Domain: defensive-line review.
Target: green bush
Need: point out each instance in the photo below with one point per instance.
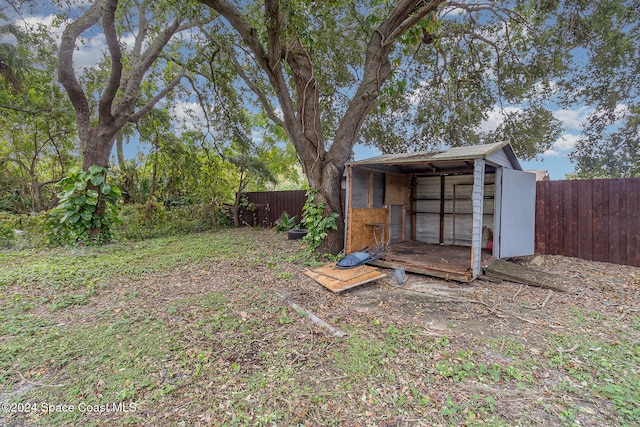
(144, 221)
(315, 222)
(7, 234)
(87, 207)
(285, 222)
(22, 230)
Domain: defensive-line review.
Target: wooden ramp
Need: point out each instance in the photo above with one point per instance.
(338, 280)
(501, 269)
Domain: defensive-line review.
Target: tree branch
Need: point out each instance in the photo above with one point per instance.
(113, 83)
(66, 73)
(153, 101)
(262, 97)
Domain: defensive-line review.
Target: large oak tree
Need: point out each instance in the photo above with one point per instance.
(323, 70)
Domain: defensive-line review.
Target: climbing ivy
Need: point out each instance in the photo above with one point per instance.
(315, 222)
(87, 207)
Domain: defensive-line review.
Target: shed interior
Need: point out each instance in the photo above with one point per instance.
(428, 207)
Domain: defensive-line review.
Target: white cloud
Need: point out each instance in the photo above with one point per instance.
(573, 119)
(562, 146)
(566, 142)
(552, 153)
(495, 117)
(189, 114)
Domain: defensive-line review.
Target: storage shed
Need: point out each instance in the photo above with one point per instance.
(441, 213)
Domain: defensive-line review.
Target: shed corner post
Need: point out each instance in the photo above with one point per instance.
(347, 205)
(478, 203)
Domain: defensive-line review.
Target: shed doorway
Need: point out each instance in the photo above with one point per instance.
(442, 211)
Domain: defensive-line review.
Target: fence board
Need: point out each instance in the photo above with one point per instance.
(600, 222)
(542, 224)
(590, 219)
(555, 221)
(614, 220)
(624, 189)
(585, 219)
(633, 223)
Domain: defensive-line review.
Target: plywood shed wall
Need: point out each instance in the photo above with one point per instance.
(449, 197)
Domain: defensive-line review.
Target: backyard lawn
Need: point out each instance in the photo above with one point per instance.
(199, 330)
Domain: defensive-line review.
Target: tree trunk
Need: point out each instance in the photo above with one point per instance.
(237, 201)
(326, 177)
(98, 149)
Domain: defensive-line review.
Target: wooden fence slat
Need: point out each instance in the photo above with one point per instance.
(542, 215)
(555, 222)
(614, 221)
(570, 214)
(633, 223)
(585, 215)
(624, 191)
(600, 222)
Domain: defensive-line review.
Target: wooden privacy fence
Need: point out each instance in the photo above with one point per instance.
(266, 207)
(596, 219)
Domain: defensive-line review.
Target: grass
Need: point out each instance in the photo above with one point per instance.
(191, 331)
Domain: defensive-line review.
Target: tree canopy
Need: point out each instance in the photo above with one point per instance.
(399, 75)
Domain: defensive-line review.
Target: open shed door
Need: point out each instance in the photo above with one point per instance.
(517, 207)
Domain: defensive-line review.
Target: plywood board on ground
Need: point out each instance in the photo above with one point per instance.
(500, 269)
(338, 280)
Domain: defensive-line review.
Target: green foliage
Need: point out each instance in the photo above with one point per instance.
(87, 207)
(6, 231)
(315, 221)
(285, 222)
(144, 221)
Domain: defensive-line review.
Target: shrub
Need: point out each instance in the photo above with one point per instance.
(315, 222)
(285, 222)
(87, 207)
(144, 221)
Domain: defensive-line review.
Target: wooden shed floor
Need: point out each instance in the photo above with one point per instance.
(447, 262)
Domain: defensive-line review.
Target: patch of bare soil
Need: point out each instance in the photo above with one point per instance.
(493, 323)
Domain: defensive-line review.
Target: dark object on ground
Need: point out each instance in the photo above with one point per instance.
(354, 259)
(400, 275)
(364, 256)
(296, 233)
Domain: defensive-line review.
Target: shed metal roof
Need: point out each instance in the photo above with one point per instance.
(452, 154)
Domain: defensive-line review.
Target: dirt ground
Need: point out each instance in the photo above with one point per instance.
(486, 321)
(487, 307)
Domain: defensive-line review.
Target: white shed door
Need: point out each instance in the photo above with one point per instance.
(518, 213)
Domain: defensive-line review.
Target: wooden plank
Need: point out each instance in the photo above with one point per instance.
(555, 231)
(414, 206)
(633, 222)
(370, 191)
(459, 276)
(359, 234)
(542, 223)
(501, 269)
(600, 222)
(585, 216)
(623, 220)
(570, 215)
(369, 274)
(442, 188)
(396, 190)
(614, 221)
(343, 274)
